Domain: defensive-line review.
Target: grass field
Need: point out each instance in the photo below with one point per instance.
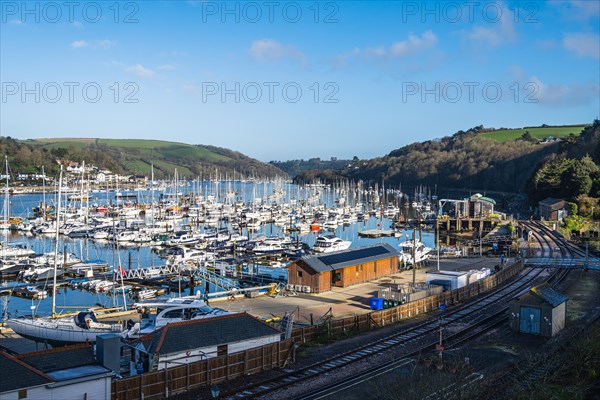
(539, 133)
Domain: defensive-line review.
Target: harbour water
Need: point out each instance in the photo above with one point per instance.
(132, 257)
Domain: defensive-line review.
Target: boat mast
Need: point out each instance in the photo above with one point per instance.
(56, 244)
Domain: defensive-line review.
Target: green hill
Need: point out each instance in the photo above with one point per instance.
(135, 156)
(503, 135)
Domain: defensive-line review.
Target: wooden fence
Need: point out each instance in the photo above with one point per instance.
(161, 384)
(376, 319)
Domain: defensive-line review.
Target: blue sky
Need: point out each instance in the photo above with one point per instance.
(284, 80)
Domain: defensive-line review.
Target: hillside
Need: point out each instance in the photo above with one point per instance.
(134, 156)
(503, 135)
(468, 159)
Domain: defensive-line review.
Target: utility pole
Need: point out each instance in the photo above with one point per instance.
(414, 257)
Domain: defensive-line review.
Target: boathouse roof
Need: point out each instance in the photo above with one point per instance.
(208, 332)
(346, 258)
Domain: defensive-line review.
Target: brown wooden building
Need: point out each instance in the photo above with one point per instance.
(552, 209)
(320, 273)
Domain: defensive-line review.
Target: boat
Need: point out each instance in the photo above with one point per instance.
(158, 313)
(80, 328)
(421, 252)
(55, 329)
(330, 243)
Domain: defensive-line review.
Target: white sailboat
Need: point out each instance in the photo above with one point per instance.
(55, 329)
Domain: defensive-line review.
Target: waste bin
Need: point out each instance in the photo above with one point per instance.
(376, 303)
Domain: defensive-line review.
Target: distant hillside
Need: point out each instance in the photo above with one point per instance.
(467, 159)
(134, 156)
(296, 167)
(502, 135)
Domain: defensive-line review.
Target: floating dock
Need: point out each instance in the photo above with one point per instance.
(376, 233)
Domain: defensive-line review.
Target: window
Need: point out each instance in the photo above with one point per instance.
(22, 394)
(299, 274)
(222, 350)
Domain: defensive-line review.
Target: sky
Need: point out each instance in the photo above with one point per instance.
(280, 80)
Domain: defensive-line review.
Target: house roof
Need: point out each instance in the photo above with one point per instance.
(551, 201)
(346, 258)
(194, 334)
(548, 294)
(60, 358)
(18, 375)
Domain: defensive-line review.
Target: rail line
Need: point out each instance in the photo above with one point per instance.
(409, 341)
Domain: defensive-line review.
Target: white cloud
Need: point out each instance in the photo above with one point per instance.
(140, 70)
(583, 44)
(76, 24)
(272, 50)
(167, 67)
(563, 94)
(79, 44)
(581, 10)
(414, 44)
(105, 44)
(494, 32)
(16, 22)
(411, 46)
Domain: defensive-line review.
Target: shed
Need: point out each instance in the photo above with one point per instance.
(481, 206)
(320, 273)
(540, 311)
(205, 338)
(450, 279)
(70, 372)
(552, 209)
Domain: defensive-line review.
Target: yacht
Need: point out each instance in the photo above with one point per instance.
(330, 243)
(158, 313)
(421, 252)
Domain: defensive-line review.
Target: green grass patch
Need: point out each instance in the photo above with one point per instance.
(538, 133)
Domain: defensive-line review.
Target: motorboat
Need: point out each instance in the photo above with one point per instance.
(158, 313)
(418, 248)
(330, 243)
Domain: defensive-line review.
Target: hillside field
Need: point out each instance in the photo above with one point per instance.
(538, 133)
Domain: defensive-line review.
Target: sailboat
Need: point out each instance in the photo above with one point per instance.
(55, 329)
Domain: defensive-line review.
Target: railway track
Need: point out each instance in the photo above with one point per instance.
(406, 343)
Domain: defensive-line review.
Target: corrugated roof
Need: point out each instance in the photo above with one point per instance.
(194, 334)
(550, 295)
(346, 258)
(550, 201)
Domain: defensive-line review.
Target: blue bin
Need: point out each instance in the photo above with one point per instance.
(376, 303)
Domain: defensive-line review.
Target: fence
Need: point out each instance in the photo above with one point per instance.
(375, 319)
(163, 383)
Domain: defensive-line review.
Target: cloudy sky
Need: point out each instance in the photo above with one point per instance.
(283, 80)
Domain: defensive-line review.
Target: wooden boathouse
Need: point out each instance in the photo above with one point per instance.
(320, 273)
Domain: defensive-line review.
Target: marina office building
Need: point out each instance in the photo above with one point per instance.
(321, 273)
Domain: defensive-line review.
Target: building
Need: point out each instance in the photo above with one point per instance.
(189, 341)
(480, 206)
(541, 311)
(62, 373)
(320, 273)
(451, 280)
(552, 209)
